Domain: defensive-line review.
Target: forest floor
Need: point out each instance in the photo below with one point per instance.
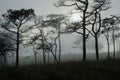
(89, 70)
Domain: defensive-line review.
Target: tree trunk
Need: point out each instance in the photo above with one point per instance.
(84, 46)
(84, 31)
(55, 58)
(17, 49)
(5, 62)
(55, 52)
(108, 44)
(96, 48)
(119, 44)
(44, 54)
(35, 59)
(35, 54)
(113, 42)
(59, 46)
(44, 57)
(48, 57)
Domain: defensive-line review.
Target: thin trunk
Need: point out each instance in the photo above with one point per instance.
(17, 49)
(84, 31)
(113, 42)
(13, 59)
(44, 57)
(96, 48)
(59, 46)
(84, 45)
(55, 58)
(59, 50)
(55, 52)
(55, 44)
(48, 57)
(108, 44)
(119, 44)
(5, 59)
(35, 59)
(35, 55)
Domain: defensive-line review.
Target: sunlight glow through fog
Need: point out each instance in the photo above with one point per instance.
(75, 17)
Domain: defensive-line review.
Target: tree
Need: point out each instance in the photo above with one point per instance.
(42, 40)
(55, 21)
(96, 22)
(105, 31)
(14, 22)
(35, 53)
(86, 10)
(110, 25)
(95, 33)
(117, 36)
(114, 21)
(79, 4)
(6, 46)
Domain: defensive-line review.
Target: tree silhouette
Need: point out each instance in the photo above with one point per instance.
(14, 22)
(55, 21)
(105, 31)
(79, 4)
(42, 40)
(110, 25)
(6, 46)
(96, 22)
(87, 11)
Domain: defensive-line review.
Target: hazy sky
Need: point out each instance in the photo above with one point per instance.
(41, 7)
(44, 7)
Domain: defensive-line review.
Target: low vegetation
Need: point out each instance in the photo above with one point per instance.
(89, 70)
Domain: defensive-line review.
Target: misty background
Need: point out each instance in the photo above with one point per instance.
(46, 7)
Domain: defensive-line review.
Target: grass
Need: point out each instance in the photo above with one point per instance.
(89, 70)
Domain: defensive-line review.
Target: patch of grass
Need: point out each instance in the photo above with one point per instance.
(89, 70)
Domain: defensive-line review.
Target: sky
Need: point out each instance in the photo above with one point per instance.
(41, 7)
(45, 7)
